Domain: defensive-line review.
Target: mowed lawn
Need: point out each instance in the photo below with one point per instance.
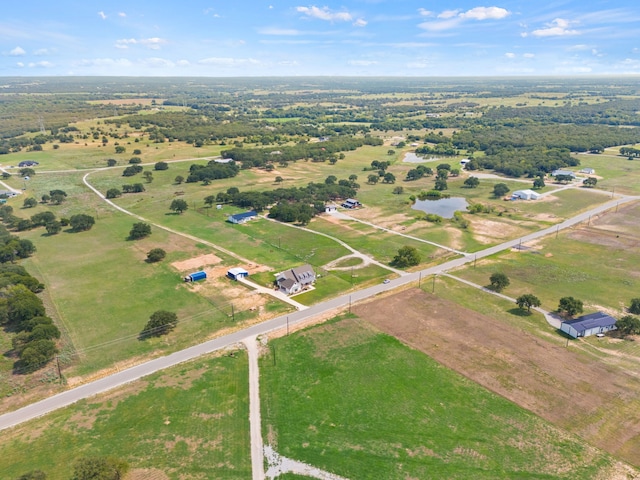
(190, 421)
(350, 400)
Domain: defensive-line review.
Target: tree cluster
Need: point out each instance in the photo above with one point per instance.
(407, 256)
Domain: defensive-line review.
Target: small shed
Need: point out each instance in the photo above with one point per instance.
(236, 273)
(525, 195)
(588, 171)
(195, 276)
(28, 163)
(591, 324)
(331, 207)
(240, 218)
(351, 203)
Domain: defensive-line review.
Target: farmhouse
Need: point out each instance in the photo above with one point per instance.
(240, 218)
(568, 173)
(351, 203)
(296, 279)
(236, 273)
(28, 163)
(591, 324)
(525, 195)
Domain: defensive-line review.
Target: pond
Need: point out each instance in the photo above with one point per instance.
(442, 206)
(411, 157)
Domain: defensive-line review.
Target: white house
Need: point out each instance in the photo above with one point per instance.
(296, 279)
(588, 171)
(591, 324)
(525, 195)
(240, 218)
(330, 208)
(236, 273)
(566, 173)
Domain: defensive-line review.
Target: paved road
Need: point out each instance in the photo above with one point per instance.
(121, 378)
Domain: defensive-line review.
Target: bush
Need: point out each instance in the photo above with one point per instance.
(135, 160)
(139, 230)
(635, 306)
(155, 255)
(113, 193)
(161, 166)
(81, 222)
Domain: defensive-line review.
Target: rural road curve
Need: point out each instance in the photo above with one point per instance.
(69, 397)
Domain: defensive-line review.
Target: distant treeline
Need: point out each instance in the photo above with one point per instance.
(317, 151)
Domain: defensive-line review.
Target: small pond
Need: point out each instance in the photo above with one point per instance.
(411, 157)
(442, 206)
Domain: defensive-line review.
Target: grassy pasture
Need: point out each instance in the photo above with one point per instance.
(389, 420)
(189, 421)
(614, 171)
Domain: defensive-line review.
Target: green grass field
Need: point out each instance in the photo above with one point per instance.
(403, 416)
(190, 421)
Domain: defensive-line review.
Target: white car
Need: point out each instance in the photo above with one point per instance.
(386, 280)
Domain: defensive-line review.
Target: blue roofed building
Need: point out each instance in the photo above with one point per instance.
(591, 324)
(240, 218)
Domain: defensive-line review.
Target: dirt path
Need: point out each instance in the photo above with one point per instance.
(255, 422)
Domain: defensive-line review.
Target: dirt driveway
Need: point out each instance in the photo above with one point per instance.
(585, 396)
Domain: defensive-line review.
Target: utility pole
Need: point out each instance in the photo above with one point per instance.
(433, 287)
(59, 371)
(557, 230)
(233, 315)
(287, 325)
(349, 303)
(419, 279)
(475, 258)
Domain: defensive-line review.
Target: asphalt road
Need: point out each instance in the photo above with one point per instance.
(134, 373)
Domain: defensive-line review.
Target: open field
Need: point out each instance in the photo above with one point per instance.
(563, 385)
(404, 415)
(187, 422)
(597, 263)
(614, 171)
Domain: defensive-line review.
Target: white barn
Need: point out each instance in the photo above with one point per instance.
(591, 324)
(525, 195)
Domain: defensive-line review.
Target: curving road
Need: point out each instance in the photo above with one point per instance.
(134, 373)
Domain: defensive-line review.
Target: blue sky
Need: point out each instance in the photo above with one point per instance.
(352, 37)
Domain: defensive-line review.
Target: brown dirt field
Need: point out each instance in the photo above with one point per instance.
(146, 474)
(196, 262)
(585, 396)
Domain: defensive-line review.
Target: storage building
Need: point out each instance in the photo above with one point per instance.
(591, 324)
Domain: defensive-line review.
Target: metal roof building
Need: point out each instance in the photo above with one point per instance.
(591, 324)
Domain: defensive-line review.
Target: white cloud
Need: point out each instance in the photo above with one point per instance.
(510, 55)
(289, 63)
(529, 55)
(17, 52)
(104, 62)
(424, 12)
(449, 14)
(418, 65)
(486, 13)
(228, 62)
(102, 15)
(122, 14)
(183, 63)
(449, 19)
(362, 63)
(360, 23)
(20, 64)
(42, 51)
(596, 53)
(270, 7)
(325, 14)
(155, 62)
(557, 28)
(153, 43)
(279, 31)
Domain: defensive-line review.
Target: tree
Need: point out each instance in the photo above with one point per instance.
(113, 193)
(498, 281)
(406, 257)
(590, 182)
(99, 468)
(42, 218)
(628, 325)
(120, 149)
(45, 198)
(37, 353)
(53, 228)
(570, 306)
(111, 162)
(398, 190)
(139, 230)
(160, 323)
(331, 180)
(389, 178)
(29, 202)
(279, 179)
(528, 300)
(472, 182)
(538, 183)
(148, 176)
(179, 179)
(27, 172)
(81, 222)
(373, 179)
(209, 200)
(57, 198)
(178, 205)
(500, 189)
(441, 184)
(634, 307)
(161, 166)
(391, 152)
(33, 475)
(155, 255)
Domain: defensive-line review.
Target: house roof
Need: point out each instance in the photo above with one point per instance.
(563, 172)
(526, 192)
(304, 273)
(238, 271)
(240, 216)
(593, 320)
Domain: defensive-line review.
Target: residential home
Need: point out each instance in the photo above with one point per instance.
(296, 279)
(240, 218)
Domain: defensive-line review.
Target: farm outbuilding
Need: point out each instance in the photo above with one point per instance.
(240, 218)
(195, 276)
(587, 325)
(588, 171)
(351, 203)
(525, 195)
(236, 273)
